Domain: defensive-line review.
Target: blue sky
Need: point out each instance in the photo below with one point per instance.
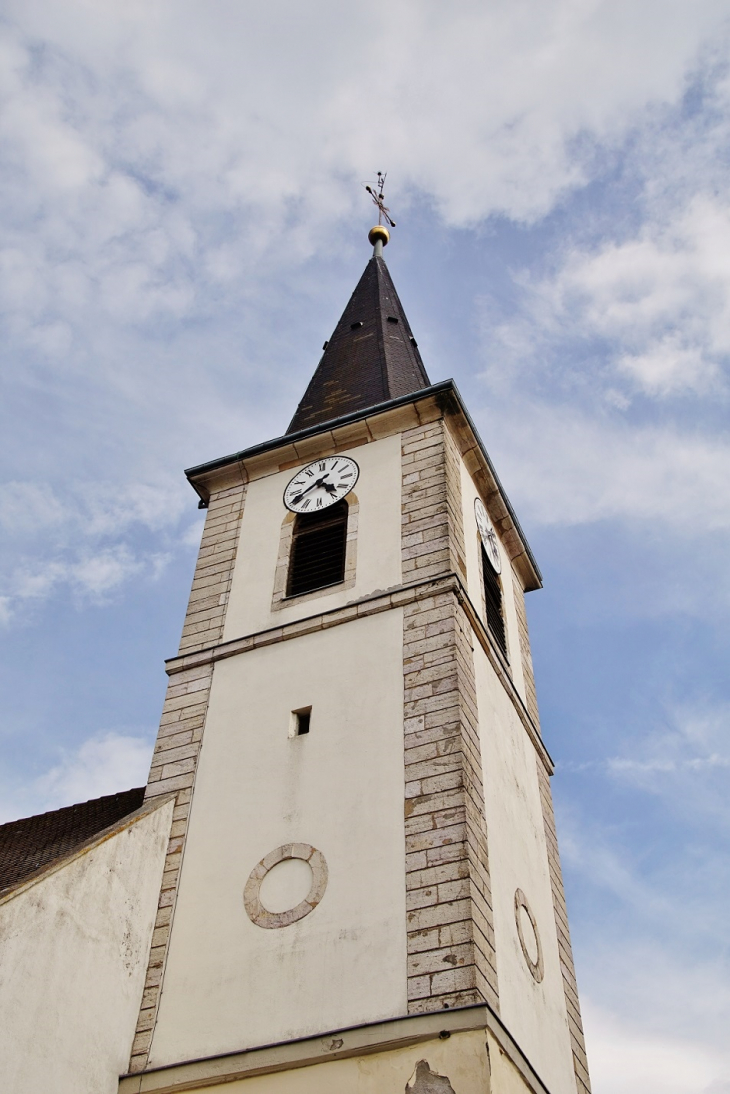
(183, 222)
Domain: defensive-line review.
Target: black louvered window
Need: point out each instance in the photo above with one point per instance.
(493, 603)
(318, 550)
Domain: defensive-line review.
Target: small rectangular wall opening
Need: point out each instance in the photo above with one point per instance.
(300, 721)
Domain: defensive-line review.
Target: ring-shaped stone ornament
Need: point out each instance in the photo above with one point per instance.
(537, 968)
(255, 910)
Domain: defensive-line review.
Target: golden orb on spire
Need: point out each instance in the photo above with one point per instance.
(379, 233)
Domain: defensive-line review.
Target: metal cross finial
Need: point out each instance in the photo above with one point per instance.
(376, 193)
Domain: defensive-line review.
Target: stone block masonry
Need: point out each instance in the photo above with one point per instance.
(181, 729)
(450, 931)
(214, 571)
(570, 986)
(525, 654)
(451, 952)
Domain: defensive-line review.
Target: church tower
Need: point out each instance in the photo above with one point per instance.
(362, 889)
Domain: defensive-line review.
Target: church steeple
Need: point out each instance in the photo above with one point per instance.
(362, 887)
(372, 355)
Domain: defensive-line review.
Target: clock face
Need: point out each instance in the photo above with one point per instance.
(488, 534)
(320, 484)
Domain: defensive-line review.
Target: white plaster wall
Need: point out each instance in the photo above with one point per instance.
(229, 984)
(504, 1076)
(378, 490)
(74, 957)
(535, 1014)
(473, 563)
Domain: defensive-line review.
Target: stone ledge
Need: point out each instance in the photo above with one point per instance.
(357, 609)
(397, 597)
(337, 1044)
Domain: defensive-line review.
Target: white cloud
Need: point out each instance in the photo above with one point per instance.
(616, 320)
(137, 139)
(657, 305)
(653, 980)
(92, 578)
(661, 299)
(94, 508)
(162, 164)
(191, 535)
(84, 538)
(109, 509)
(627, 1059)
(30, 507)
(613, 368)
(668, 367)
(566, 466)
(104, 764)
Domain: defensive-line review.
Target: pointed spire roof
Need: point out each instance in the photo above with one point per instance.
(371, 357)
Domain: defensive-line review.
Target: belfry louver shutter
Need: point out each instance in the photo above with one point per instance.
(493, 603)
(318, 550)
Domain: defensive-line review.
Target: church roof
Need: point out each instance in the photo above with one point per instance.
(28, 845)
(372, 356)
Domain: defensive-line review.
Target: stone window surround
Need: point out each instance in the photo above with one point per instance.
(506, 659)
(279, 599)
(256, 911)
(536, 965)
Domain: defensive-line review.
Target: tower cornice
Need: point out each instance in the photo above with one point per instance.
(373, 423)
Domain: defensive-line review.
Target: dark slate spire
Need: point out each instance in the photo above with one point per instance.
(371, 357)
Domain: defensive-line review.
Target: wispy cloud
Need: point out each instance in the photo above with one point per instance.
(568, 466)
(681, 757)
(93, 575)
(638, 769)
(91, 579)
(652, 958)
(684, 761)
(658, 301)
(93, 508)
(104, 764)
(85, 540)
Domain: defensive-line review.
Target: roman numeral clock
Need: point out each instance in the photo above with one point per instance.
(321, 484)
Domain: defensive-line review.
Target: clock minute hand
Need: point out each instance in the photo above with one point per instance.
(312, 486)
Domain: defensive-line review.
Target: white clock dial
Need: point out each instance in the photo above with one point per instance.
(488, 534)
(320, 484)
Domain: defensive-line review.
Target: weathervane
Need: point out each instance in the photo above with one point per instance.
(379, 235)
(376, 193)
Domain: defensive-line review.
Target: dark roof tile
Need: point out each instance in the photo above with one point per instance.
(30, 844)
(370, 358)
